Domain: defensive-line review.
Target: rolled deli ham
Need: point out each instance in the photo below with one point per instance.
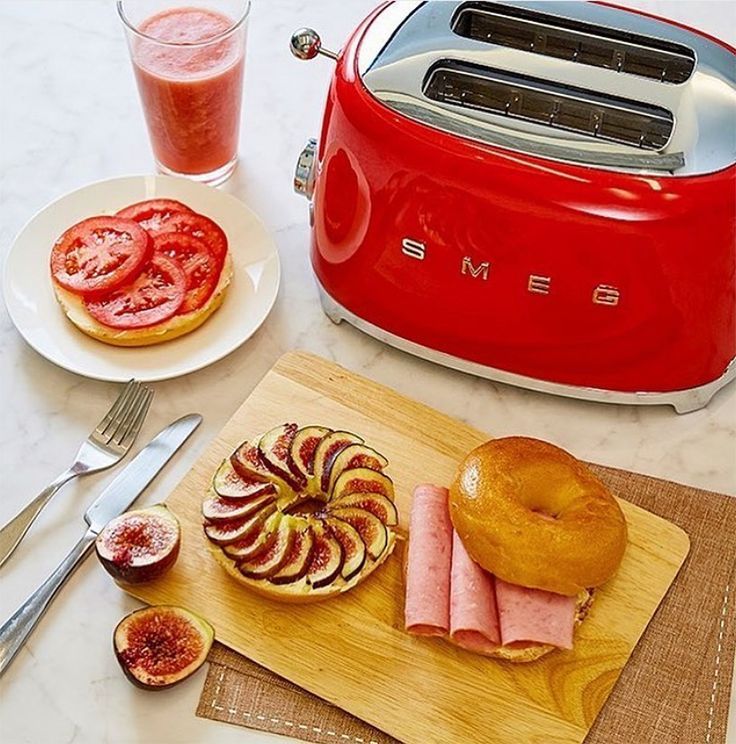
(534, 615)
(473, 614)
(428, 564)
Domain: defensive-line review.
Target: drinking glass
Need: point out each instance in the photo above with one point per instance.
(189, 61)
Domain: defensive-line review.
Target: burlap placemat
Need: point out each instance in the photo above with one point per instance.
(674, 690)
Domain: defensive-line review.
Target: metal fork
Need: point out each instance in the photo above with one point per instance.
(108, 443)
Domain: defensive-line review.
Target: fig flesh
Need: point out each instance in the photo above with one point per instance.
(353, 547)
(159, 646)
(229, 484)
(375, 503)
(370, 528)
(325, 562)
(362, 480)
(303, 447)
(327, 451)
(296, 563)
(228, 532)
(355, 456)
(217, 509)
(258, 539)
(140, 545)
(274, 448)
(268, 562)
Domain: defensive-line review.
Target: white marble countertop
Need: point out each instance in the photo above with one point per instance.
(70, 115)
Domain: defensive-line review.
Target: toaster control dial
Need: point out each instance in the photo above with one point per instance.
(305, 170)
(306, 44)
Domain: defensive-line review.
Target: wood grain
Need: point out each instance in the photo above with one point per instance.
(352, 650)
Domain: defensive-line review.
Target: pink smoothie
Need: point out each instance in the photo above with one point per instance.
(191, 94)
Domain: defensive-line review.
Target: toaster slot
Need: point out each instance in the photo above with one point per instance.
(575, 41)
(595, 115)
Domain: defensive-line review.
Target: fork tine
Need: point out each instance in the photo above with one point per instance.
(127, 437)
(119, 405)
(124, 414)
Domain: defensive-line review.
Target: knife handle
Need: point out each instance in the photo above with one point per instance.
(15, 632)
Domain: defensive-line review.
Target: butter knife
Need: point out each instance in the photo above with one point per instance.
(114, 500)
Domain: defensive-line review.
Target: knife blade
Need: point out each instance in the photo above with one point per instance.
(114, 500)
(144, 467)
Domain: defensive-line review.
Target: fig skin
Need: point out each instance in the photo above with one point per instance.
(195, 624)
(121, 567)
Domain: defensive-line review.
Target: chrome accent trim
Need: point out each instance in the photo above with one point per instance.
(683, 401)
(305, 173)
(306, 44)
(703, 108)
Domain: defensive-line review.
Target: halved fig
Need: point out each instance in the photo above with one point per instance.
(353, 547)
(275, 450)
(140, 545)
(296, 563)
(267, 563)
(362, 480)
(375, 503)
(370, 528)
(159, 646)
(355, 456)
(325, 562)
(216, 509)
(303, 447)
(229, 484)
(325, 454)
(257, 540)
(226, 533)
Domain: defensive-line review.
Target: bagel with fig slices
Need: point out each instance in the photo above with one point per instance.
(178, 325)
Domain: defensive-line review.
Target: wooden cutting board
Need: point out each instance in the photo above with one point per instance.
(352, 650)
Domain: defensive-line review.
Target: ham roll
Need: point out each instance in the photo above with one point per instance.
(534, 615)
(428, 564)
(473, 614)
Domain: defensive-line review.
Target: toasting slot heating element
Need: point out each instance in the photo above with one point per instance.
(573, 109)
(577, 41)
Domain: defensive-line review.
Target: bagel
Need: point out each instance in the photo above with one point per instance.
(73, 307)
(533, 515)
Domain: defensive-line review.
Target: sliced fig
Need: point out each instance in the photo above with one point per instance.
(362, 480)
(159, 646)
(325, 562)
(268, 562)
(275, 450)
(216, 509)
(140, 545)
(248, 463)
(353, 547)
(303, 447)
(226, 533)
(375, 503)
(355, 456)
(229, 484)
(257, 540)
(370, 528)
(325, 454)
(296, 563)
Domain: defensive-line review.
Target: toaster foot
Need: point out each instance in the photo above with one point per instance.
(683, 401)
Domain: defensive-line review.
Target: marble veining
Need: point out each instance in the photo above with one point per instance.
(69, 116)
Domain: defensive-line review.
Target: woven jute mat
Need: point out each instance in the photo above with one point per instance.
(674, 689)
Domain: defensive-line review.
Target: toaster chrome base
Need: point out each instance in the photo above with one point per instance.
(683, 401)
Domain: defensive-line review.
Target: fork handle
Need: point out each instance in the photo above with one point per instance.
(12, 533)
(15, 632)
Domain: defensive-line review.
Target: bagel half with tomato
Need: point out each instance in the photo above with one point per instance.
(153, 272)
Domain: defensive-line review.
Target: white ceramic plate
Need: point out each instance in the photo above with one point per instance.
(30, 300)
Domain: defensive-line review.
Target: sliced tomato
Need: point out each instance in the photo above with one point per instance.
(154, 296)
(152, 215)
(99, 254)
(199, 226)
(199, 264)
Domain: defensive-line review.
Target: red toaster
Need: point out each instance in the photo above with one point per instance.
(540, 193)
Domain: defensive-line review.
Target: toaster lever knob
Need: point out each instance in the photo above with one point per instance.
(306, 44)
(304, 175)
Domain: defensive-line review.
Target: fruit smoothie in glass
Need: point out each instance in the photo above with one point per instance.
(189, 63)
